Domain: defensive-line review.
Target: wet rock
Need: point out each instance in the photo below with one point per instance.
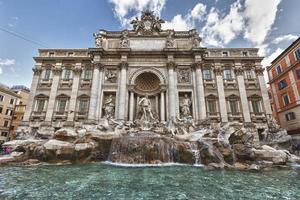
(242, 152)
(254, 167)
(45, 132)
(21, 143)
(241, 166)
(66, 134)
(268, 153)
(55, 149)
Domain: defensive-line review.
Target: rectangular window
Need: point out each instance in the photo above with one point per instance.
(234, 107)
(47, 74)
(298, 73)
(8, 112)
(256, 106)
(248, 74)
(282, 84)
(6, 123)
(297, 54)
(212, 106)
(4, 134)
(11, 101)
(278, 69)
(290, 116)
(67, 75)
(83, 106)
(88, 74)
(1, 109)
(245, 53)
(207, 74)
(286, 99)
(227, 74)
(40, 105)
(1, 97)
(61, 105)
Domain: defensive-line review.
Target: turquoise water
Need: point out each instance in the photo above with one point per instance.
(99, 181)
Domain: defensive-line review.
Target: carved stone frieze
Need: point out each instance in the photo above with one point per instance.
(184, 76)
(111, 75)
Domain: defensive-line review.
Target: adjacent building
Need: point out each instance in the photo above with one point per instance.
(20, 107)
(169, 68)
(8, 100)
(284, 76)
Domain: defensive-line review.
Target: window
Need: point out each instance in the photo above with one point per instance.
(256, 106)
(83, 105)
(5, 123)
(297, 54)
(211, 104)
(88, 74)
(286, 99)
(278, 69)
(290, 116)
(40, 105)
(8, 112)
(227, 74)
(67, 75)
(70, 54)
(282, 84)
(245, 53)
(1, 97)
(11, 101)
(234, 106)
(61, 105)
(51, 54)
(248, 73)
(1, 109)
(4, 134)
(225, 54)
(298, 73)
(207, 74)
(47, 74)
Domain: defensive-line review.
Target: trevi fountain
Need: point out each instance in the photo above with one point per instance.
(162, 145)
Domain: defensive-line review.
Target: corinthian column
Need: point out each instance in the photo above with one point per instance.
(94, 94)
(263, 88)
(242, 90)
(221, 93)
(200, 92)
(172, 90)
(75, 87)
(131, 106)
(162, 106)
(99, 92)
(35, 80)
(122, 90)
(55, 81)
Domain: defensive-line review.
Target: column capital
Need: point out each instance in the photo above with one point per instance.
(197, 65)
(37, 70)
(77, 70)
(57, 71)
(171, 65)
(239, 71)
(99, 66)
(123, 65)
(218, 71)
(259, 71)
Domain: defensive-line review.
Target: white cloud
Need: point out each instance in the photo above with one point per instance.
(123, 7)
(220, 29)
(283, 38)
(198, 12)
(178, 23)
(260, 16)
(6, 62)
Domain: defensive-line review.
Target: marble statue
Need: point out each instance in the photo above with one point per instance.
(185, 106)
(109, 107)
(170, 40)
(98, 40)
(145, 105)
(111, 76)
(124, 43)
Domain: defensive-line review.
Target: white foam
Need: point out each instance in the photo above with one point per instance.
(148, 165)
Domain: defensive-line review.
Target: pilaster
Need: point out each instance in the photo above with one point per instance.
(172, 91)
(122, 90)
(94, 93)
(221, 93)
(200, 91)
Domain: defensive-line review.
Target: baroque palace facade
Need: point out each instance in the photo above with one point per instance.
(149, 73)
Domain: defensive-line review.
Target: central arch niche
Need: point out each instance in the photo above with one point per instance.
(147, 82)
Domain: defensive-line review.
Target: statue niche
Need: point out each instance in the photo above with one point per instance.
(109, 105)
(185, 104)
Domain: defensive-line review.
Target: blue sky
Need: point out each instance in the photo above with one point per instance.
(270, 25)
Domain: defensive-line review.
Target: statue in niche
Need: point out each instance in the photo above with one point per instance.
(111, 76)
(170, 40)
(184, 76)
(145, 105)
(109, 107)
(185, 106)
(124, 43)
